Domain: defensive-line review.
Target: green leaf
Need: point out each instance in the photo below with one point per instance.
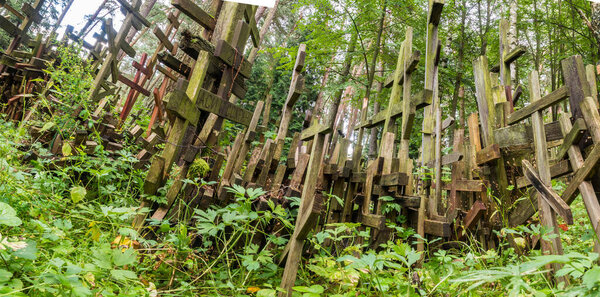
(591, 277)
(314, 289)
(77, 194)
(124, 258)
(8, 216)
(266, 293)
(5, 275)
(66, 149)
(29, 252)
(47, 127)
(123, 275)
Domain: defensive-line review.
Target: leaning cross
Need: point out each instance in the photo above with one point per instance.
(310, 207)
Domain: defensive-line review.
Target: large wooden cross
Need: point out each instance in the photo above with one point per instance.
(296, 89)
(549, 203)
(310, 207)
(432, 52)
(196, 98)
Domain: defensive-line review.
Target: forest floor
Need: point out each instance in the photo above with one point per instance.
(66, 231)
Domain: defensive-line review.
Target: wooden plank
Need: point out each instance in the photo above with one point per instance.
(135, 12)
(233, 58)
(517, 94)
(435, 12)
(589, 167)
(576, 83)
(167, 73)
(557, 170)
(475, 186)
(438, 228)
(177, 102)
(170, 61)
(249, 17)
(141, 68)
(447, 159)
(545, 102)
(412, 66)
(373, 221)
(394, 179)
(573, 137)
(196, 13)
(212, 103)
(9, 27)
(488, 154)
(133, 85)
(520, 135)
(313, 130)
(31, 12)
(514, 54)
(589, 108)
(173, 20)
(298, 174)
(473, 215)
(545, 206)
(163, 39)
(291, 157)
(586, 189)
(308, 214)
(547, 193)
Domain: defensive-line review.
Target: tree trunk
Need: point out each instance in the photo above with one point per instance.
(263, 31)
(371, 73)
(376, 108)
(92, 19)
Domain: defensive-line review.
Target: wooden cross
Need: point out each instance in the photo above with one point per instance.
(296, 89)
(310, 207)
(31, 14)
(136, 85)
(116, 43)
(428, 150)
(191, 109)
(549, 203)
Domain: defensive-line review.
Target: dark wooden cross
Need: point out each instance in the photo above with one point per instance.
(310, 206)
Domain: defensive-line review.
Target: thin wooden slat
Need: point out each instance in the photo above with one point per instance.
(133, 85)
(547, 193)
(163, 39)
(557, 170)
(233, 58)
(543, 103)
(571, 138)
(196, 13)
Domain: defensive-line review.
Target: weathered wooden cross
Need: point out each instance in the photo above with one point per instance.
(310, 207)
(117, 43)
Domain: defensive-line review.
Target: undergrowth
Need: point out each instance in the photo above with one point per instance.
(66, 231)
